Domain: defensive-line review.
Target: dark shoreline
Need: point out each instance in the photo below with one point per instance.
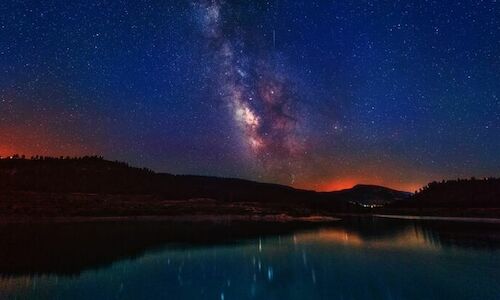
(440, 218)
(230, 219)
(193, 219)
(36, 207)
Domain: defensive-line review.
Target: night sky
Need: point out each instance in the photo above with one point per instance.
(315, 94)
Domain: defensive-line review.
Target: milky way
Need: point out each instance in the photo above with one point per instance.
(259, 98)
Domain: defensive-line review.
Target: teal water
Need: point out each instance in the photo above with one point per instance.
(374, 259)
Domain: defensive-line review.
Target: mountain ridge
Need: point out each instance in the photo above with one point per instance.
(93, 186)
(97, 175)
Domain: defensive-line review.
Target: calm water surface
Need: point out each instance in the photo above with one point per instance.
(361, 258)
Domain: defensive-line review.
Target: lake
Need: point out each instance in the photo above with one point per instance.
(356, 258)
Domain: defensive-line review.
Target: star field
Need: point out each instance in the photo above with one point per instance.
(314, 94)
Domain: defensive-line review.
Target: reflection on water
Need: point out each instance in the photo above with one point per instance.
(358, 258)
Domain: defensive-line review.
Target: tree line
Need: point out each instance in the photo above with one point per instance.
(458, 193)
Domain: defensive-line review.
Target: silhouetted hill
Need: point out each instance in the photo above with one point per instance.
(371, 195)
(94, 175)
(461, 193)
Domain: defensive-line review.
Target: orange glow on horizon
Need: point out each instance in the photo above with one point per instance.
(42, 142)
(338, 184)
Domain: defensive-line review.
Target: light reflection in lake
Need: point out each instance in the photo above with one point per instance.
(356, 259)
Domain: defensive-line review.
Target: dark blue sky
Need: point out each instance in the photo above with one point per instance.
(318, 94)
